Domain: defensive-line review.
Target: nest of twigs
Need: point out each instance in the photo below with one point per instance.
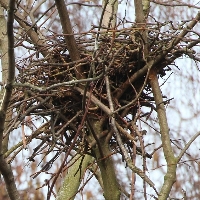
(49, 90)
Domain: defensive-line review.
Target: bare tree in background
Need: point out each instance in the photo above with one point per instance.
(87, 88)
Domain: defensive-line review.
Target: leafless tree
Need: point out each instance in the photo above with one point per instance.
(88, 89)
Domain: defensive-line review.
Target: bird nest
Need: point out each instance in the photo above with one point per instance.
(48, 87)
(117, 58)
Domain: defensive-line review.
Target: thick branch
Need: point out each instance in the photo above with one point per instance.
(29, 29)
(164, 129)
(4, 64)
(110, 14)
(68, 34)
(7, 173)
(4, 167)
(141, 23)
(170, 176)
(11, 74)
(139, 15)
(74, 177)
(106, 165)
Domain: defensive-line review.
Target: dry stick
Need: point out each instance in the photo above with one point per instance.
(83, 60)
(68, 83)
(119, 140)
(100, 23)
(133, 178)
(179, 3)
(28, 140)
(84, 4)
(140, 92)
(140, 136)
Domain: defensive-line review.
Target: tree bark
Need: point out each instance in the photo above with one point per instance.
(110, 183)
(69, 35)
(170, 176)
(9, 72)
(110, 8)
(74, 177)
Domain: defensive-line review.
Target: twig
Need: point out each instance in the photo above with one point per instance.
(95, 101)
(68, 83)
(140, 92)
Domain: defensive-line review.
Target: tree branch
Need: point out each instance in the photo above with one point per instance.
(68, 83)
(170, 176)
(76, 172)
(69, 36)
(29, 29)
(4, 167)
(110, 13)
(174, 42)
(187, 146)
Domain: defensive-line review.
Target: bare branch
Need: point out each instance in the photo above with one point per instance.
(179, 3)
(164, 129)
(110, 14)
(4, 166)
(68, 83)
(187, 146)
(69, 37)
(175, 41)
